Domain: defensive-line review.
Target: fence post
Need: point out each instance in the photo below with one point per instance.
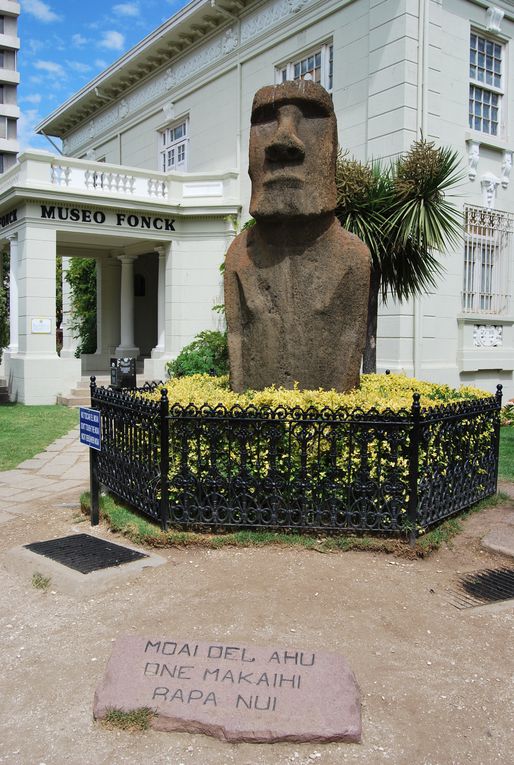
(94, 486)
(498, 396)
(165, 459)
(412, 507)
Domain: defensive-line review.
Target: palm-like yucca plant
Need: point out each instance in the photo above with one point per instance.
(401, 212)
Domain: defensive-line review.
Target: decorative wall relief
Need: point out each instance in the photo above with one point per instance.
(489, 183)
(487, 335)
(170, 78)
(506, 168)
(230, 40)
(494, 19)
(265, 17)
(169, 110)
(123, 109)
(297, 5)
(473, 158)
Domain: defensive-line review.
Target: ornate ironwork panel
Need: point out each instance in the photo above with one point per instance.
(458, 462)
(288, 469)
(129, 461)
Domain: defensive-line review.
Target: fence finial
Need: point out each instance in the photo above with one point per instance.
(499, 389)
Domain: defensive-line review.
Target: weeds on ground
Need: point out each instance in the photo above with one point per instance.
(40, 582)
(139, 530)
(133, 721)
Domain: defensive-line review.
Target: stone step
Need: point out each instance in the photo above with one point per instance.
(74, 399)
(4, 391)
(80, 394)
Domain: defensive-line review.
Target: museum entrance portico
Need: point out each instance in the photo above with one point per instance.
(157, 258)
(130, 285)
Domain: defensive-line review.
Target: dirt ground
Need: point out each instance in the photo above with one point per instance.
(436, 682)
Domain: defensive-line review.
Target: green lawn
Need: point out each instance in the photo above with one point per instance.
(27, 430)
(506, 467)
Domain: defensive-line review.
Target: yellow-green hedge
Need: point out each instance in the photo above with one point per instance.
(379, 391)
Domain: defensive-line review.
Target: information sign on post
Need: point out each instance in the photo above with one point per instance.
(90, 435)
(90, 428)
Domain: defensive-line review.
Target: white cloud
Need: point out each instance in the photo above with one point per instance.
(50, 67)
(78, 66)
(112, 40)
(40, 10)
(126, 9)
(79, 40)
(100, 63)
(26, 123)
(32, 98)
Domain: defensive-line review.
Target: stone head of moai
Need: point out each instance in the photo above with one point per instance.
(293, 149)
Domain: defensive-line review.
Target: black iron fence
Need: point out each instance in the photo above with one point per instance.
(354, 471)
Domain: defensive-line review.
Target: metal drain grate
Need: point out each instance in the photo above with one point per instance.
(481, 587)
(85, 553)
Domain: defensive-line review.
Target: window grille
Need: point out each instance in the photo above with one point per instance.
(487, 252)
(317, 66)
(486, 84)
(173, 150)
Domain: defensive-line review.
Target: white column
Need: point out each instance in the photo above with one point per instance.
(126, 346)
(69, 343)
(161, 302)
(13, 295)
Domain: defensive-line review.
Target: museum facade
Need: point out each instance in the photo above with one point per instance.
(153, 180)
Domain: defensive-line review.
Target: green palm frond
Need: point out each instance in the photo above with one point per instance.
(404, 214)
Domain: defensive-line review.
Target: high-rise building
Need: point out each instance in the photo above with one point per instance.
(9, 80)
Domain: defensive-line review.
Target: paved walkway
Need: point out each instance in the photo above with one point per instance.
(62, 468)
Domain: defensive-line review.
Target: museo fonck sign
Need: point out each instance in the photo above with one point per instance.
(99, 217)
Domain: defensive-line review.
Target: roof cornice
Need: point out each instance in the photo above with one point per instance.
(196, 21)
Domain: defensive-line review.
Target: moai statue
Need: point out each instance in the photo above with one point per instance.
(296, 283)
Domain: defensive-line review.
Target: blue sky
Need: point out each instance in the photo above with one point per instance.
(66, 43)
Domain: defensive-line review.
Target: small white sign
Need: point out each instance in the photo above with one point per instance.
(41, 326)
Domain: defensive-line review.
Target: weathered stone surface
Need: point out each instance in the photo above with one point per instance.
(233, 692)
(296, 284)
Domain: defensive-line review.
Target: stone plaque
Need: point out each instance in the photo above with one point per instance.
(232, 691)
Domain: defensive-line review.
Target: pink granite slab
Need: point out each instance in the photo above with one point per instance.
(234, 692)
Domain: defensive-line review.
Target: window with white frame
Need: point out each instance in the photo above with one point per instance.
(318, 66)
(173, 146)
(487, 245)
(486, 83)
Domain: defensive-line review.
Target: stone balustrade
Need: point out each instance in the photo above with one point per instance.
(43, 170)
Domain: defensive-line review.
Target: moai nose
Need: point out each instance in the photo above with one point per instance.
(285, 147)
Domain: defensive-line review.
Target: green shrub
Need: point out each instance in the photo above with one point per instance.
(207, 354)
(507, 413)
(81, 277)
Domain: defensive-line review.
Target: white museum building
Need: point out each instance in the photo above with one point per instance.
(153, 181)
